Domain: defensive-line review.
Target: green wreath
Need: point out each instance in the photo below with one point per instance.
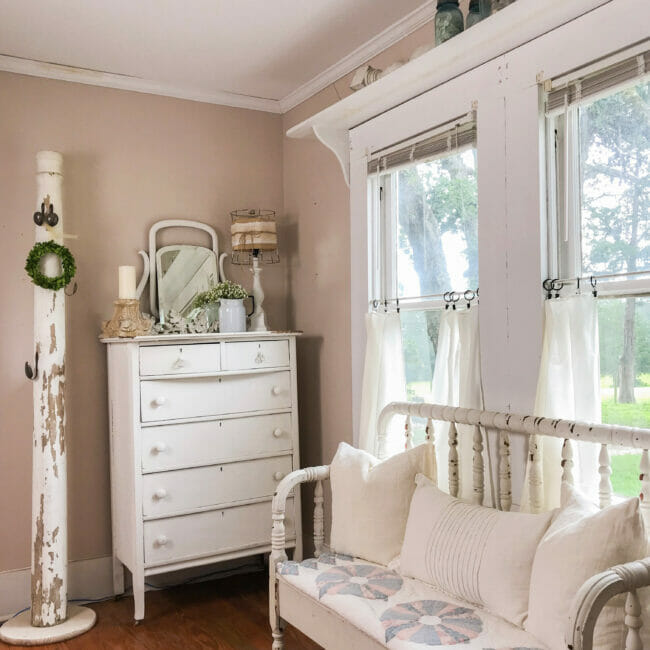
(32, 265)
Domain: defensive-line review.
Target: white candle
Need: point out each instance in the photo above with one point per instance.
(127, 282)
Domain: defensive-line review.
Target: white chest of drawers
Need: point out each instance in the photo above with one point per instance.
(202, 429)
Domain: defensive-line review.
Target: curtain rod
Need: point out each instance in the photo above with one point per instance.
(557, 284)
(450, 297)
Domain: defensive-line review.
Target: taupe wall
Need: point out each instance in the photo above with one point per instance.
(129, 160)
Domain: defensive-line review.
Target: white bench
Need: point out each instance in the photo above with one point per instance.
(334, 630)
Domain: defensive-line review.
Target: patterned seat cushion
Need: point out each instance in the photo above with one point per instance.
(401, 613)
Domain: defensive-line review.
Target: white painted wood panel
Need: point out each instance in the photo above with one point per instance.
(217, 531)
(255, 354)
(173, 446)
(170, 399)
(181, 490)
(180, 359)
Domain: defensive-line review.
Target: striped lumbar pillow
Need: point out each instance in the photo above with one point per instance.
(480, 555)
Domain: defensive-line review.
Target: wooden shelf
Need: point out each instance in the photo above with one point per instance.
(515, 25)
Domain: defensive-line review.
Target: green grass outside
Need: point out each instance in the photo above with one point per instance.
(625, 467)
(631, 415)
(625, 474)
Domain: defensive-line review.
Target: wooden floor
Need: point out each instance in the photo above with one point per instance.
(227, 614)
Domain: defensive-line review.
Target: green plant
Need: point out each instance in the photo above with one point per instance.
(32, 265)
(226, 290)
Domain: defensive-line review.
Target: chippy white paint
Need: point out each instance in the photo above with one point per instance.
(299, 610)
(49, 581)
(49, 504)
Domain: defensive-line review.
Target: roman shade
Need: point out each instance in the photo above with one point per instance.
(454, 136)
(590, 86)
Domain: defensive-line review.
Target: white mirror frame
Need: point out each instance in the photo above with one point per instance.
(177, 223)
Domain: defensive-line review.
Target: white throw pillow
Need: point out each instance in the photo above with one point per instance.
(581, 542)
(370, 500)
(480, 555)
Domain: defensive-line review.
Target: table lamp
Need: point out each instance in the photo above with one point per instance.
(255, 240)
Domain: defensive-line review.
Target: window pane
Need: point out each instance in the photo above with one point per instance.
(419, 339)
(437, 226)
(624, 326)
(615, 184)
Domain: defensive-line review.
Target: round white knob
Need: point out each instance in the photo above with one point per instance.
(160, 401)
(180, 362)
(162, 540)
(160, 493)
(159, 447)
(277, 433)
(276, 390)
(278, 476)
(259, 358)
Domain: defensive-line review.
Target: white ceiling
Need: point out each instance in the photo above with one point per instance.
(266, 49)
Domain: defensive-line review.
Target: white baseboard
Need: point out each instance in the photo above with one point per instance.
(87, 579)
(93, 580)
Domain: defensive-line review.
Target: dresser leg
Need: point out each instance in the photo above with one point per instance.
(118, 577)
(138, 598)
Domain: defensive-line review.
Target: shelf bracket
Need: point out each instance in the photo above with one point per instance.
(337, 141)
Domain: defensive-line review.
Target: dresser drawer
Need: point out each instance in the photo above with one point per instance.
(180, 359)
(208, 533)
(173, 399)
(173, 446)
(255, 354)
(200, 487)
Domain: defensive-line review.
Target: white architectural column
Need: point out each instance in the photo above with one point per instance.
(49, 619)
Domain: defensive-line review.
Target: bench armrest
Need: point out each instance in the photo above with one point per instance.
(288, 483)
(597, 591)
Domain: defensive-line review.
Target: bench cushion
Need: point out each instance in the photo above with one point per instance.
(399, 613)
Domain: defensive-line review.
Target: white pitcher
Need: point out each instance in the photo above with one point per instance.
(232, 315)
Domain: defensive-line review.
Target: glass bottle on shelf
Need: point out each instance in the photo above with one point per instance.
(497, 5)
(485, 8)
(478, 10)
(449, 20)
(473, 15)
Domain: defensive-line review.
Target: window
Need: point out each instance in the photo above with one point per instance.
(425, 239)
(599, 128)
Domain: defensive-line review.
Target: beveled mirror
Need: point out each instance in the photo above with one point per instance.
(177, 273)
(183, 272)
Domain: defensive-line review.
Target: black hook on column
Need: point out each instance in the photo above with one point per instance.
(48, 216)
(32, 373)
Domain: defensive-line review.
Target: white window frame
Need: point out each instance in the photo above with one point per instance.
(565, 194)
(382, 228)
(507, 92)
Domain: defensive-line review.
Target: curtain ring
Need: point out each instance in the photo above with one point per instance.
(447, 299)
(557, 286)
(547, 285)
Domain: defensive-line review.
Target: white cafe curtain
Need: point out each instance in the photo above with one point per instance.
(457, 382)
(568, 388)
(384, 380)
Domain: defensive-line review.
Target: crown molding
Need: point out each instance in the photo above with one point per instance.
(135, 84)
(376, 45)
